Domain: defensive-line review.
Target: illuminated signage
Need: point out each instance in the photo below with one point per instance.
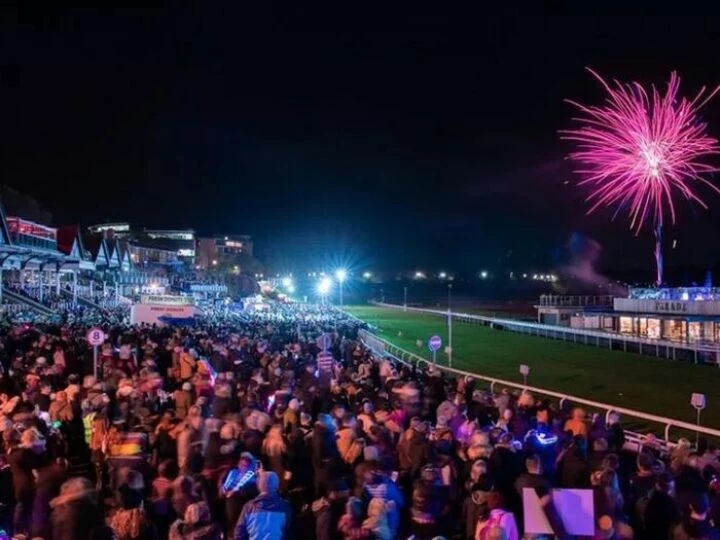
(167, 300)
(186, 252)
(233, 243)
(671, 307)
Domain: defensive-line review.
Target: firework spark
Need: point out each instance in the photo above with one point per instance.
(642, 148)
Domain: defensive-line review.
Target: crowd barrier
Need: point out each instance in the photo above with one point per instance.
(383, 347)
(694, 352)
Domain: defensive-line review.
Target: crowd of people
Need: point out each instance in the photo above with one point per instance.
(279, 423)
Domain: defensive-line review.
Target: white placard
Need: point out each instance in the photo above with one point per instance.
(574, 506)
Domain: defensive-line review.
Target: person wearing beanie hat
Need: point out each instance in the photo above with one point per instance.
(267, 515)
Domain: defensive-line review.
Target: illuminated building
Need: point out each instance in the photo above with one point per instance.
(680, 315)
(228, 250)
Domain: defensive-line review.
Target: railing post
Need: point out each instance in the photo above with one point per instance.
(667, 433)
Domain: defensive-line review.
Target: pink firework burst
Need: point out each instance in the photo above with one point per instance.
(641, 148)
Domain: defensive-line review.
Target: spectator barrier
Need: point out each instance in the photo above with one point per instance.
(383, 347)
(695, 352)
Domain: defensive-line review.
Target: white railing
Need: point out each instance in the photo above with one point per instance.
(382, 346)
(576, 335)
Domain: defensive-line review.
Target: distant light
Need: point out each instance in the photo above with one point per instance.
(442, 275)
(484, 274)
(367, 275)
(341, 274)
(321, 274)
(324, 286)
(287, 282)
(524, 275)
(290, 288)
(226, 238)
(214, 262)
(419, 275)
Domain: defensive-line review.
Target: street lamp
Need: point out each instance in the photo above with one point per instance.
(341, 276)
(323, 287)
(442, 275)
(287, 282)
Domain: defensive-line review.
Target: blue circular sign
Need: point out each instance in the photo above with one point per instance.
(434, 343)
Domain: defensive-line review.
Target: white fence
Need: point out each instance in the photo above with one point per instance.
(694, 352)
(383, 347)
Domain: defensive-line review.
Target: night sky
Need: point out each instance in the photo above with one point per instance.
(388, 140)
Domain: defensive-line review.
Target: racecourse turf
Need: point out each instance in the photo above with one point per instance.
(644, 383)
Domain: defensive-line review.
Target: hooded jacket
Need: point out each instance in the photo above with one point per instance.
(266, 516)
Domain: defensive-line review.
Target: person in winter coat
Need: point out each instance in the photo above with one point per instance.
(186, 365)
(275, 452)
(414, 448)
(499, 523)
(189, 437)
(475, 509)
(267, 515)
(196, 525)
(76, 514)
(21, 462)
(130, 521)
(183, 400)
(238, 487)
(661, 511)
(695, 524)
(378, 486)
(427, 504)
(61, 408)
(325, 455)
(576, 424)
(291, 416)
(328, 511)
(349, 444)
(505, 467)
(377, 519)
(573, 468)
(161, 497)
(350, 525)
